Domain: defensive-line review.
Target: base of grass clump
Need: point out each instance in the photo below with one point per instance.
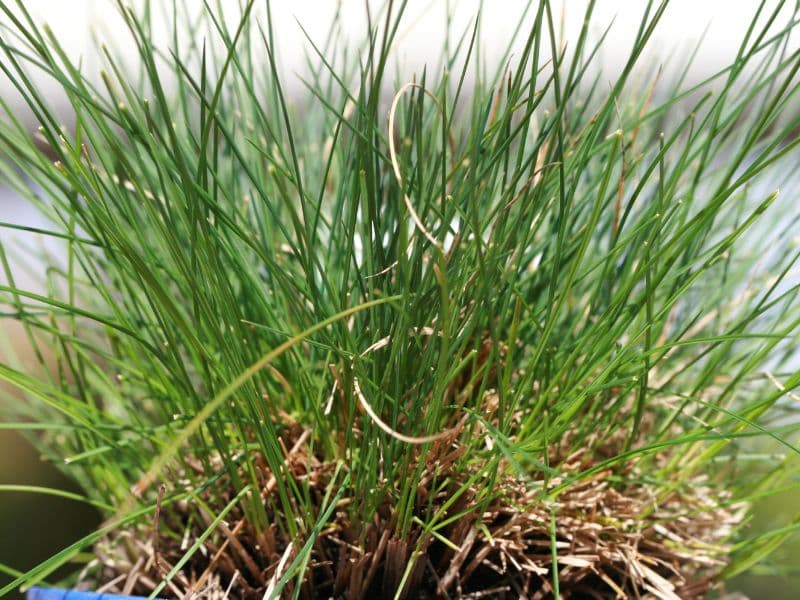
(616, 535)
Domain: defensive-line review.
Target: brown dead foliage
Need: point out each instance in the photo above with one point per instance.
(616, 536)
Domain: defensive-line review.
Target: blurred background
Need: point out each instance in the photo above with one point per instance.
(33, 526)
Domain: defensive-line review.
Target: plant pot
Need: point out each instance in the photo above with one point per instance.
(37, 593)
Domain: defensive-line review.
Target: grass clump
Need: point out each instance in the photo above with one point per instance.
(512, 333)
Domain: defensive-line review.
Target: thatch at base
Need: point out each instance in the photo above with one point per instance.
(616, 536)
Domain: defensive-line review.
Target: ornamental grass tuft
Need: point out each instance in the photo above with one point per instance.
(515, 331)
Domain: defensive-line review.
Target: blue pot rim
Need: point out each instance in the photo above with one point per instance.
(38, 593)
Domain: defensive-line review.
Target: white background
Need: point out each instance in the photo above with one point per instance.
(75, 22)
